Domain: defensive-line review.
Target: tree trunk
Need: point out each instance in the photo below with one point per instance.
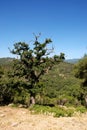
(86, 101)
(32, 100)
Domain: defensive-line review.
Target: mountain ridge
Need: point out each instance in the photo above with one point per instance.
(6, 60)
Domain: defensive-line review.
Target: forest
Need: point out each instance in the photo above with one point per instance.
(38, 81)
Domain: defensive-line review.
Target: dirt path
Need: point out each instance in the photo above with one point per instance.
(21, 119)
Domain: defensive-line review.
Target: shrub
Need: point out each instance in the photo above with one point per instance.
(81, 109)
(54, 111)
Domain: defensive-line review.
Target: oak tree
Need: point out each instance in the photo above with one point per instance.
(32, 63)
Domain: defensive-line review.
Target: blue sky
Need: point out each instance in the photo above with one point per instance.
(64, 21)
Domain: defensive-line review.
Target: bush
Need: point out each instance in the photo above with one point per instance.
(23, 97)
(81, 109)
(46, 101)
(54, 111)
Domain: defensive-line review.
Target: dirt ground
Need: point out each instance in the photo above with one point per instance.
(22, 119)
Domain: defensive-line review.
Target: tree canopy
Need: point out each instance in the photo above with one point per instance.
(33, 63)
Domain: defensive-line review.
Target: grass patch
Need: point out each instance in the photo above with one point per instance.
(57, 111)
(54, 111)
(81, 109)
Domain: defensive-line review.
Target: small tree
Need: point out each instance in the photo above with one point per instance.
(5, 90)
(1, 72)
(80, 71)
(59, 58)
(32, 64)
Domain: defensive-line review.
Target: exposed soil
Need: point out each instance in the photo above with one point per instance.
(22, 119)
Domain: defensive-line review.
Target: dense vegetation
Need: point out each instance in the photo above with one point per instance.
(58, 84)
(35, 78)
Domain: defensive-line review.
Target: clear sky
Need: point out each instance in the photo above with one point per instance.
(64, 21)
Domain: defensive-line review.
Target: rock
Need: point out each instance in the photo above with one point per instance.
(2, 115)
(15, 124)
(10, 105)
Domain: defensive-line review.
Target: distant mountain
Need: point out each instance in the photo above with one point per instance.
(72, 60)
(5, 60)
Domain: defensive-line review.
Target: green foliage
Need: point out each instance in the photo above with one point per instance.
(5, 91)
(81, 109)
(54, 111)
(22, 98)
(60, 83)
(56, 85)
(59, 58)
(58, 111)
(80, 70)
(32, 63)
(6, 61)
(1, 72)
(46, 101)
(49, 80)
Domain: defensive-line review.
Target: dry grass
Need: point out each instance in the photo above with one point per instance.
(22, 119)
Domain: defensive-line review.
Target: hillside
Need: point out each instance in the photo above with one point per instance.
(73, 61)
(6, 60)
(58, 83)
(61, 83)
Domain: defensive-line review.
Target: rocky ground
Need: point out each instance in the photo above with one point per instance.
(22, 119)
